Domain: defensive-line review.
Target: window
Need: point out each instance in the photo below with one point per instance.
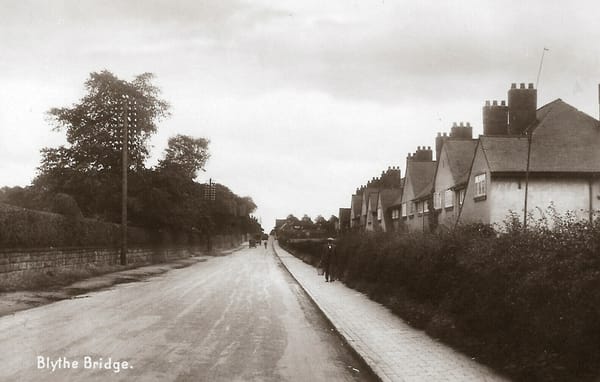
(480, 185)
(437, 200)
(448, 198)
(412, 208)
(404, 210)
(425, 206)
(379, 214)
(461, 196)
(395, 213)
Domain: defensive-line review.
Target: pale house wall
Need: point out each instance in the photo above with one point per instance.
(443, 181)
(477, 211)
(564, 194)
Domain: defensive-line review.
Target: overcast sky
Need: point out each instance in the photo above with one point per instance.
(303, 101)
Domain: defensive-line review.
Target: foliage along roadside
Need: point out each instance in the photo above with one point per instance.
(525, 302)
(83, 177)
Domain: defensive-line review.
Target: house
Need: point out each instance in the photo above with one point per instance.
(549, 157)
(420, 169)
(355, 209)
(367, 217)
(454, 156)
(366, 192)
(371, 210)
(385, 200)
(395, 212)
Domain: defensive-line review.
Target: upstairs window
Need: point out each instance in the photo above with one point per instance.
(404, 210)
(395, 213)
(448, 198)
(480, 185)
(379, 214)
(412, 208)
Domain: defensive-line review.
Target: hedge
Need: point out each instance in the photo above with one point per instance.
(23, 228)
(526, 302)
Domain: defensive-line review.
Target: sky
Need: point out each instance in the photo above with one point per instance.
(303, 101)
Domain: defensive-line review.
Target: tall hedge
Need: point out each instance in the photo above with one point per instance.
(526, 302)
(23, 228)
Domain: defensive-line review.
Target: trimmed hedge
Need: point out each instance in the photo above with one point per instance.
(23, 228)
(525, 302)
(308, 250)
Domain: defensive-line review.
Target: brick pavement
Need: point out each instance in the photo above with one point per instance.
(394, 350)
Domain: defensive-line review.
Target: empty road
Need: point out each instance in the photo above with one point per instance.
(239, 317)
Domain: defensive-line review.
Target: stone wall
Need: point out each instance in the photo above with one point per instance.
(16, 261)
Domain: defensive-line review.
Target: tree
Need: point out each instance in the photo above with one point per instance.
(185, 155)
(89, 167)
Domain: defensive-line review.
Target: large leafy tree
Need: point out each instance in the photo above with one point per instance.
(185, 155)
(89, 166)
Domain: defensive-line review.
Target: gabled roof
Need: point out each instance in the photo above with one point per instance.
(564, 140)
(365, 196)
(388, 197)
(398, 201)
(427, 190)
(505, 153)
(460, 153)
(420, 175)
(373, 196)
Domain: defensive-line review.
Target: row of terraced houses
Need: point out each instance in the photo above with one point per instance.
(528, 159)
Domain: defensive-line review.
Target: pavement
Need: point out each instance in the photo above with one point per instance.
(390, 347)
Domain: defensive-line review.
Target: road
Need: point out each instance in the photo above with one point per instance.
(239, 317)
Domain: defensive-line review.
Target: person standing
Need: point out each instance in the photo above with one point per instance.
(328, 260)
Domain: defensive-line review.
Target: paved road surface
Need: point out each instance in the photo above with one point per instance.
(239, 317)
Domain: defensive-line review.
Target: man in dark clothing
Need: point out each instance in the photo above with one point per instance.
(328, 260)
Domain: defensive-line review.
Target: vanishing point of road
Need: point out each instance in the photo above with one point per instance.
(238, 317)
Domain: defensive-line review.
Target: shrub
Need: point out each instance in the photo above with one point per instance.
(23, 228)
(524, 301)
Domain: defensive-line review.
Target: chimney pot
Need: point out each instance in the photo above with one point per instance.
(454, 124)
(522, 85)
(530, 85)
(495, 103)
(428, 147)
(513, 85)
(487, 103)
(502, 103)
(462, 124)
(445, 135)
(439, 134)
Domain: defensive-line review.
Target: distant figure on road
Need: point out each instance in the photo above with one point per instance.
(328, 260)
(265, 244)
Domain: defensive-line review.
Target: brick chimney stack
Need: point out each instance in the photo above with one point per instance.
(495, 118)
(461, 131)
(522, 107)
(423, 154)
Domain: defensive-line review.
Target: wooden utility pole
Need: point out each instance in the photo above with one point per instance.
(529, 139)
(124, 182)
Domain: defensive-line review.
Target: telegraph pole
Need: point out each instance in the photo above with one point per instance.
(210, 194)
(125, 166)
